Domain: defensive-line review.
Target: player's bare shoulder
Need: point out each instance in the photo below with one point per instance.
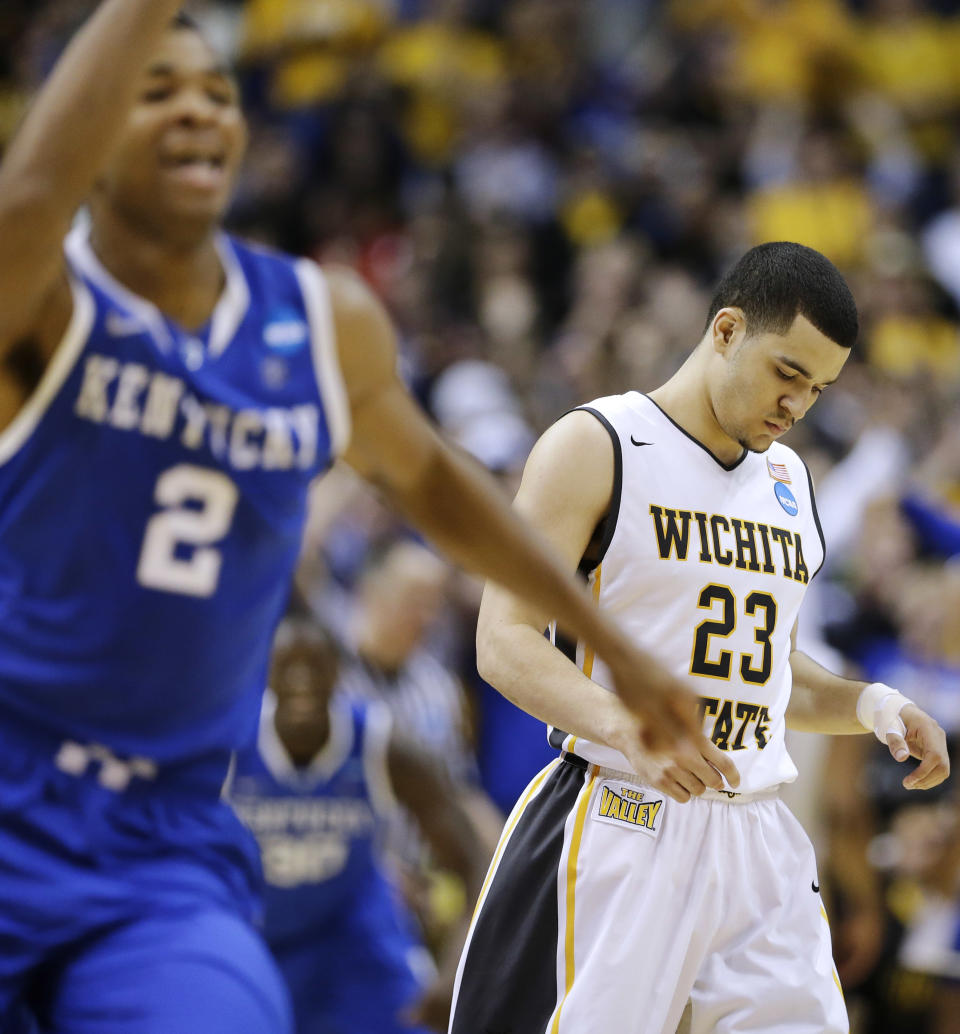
(29, 348)
(366, 344)
(570, 471)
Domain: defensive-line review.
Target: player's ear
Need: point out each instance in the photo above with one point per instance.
(728, 327)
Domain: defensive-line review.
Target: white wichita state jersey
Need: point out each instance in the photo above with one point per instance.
(706, 566)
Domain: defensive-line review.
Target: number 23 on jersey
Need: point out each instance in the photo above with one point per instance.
(735, 721)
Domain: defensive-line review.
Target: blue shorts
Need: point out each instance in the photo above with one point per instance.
(126, 912)
(359, 971)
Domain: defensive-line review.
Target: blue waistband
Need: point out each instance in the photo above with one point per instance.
(96, 763)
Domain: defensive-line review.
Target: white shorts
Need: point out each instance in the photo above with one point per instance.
(607, 906)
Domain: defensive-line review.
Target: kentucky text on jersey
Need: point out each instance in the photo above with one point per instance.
(305, 840)
(129, 396)
(746, 545)
(273, 814)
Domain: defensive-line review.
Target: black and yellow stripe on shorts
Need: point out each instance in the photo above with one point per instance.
(508, 983)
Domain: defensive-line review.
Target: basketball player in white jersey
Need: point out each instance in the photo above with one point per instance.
(608, 906)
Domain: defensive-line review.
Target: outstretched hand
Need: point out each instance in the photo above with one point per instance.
(664, 704)
(684, 771)
(691, 770)
(925, 740)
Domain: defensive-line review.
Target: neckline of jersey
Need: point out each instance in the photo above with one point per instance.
(227, 315)
(696, 441)
(328, 759)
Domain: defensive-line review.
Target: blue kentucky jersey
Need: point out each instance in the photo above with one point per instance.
(152, 497)
(318, 827)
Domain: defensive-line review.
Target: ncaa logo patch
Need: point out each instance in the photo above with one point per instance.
(786, 498)
(286, 331)
(632, 807)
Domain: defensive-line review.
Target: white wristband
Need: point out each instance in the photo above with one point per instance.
(878, 710)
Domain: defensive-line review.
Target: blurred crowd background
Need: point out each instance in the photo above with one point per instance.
(543, 193)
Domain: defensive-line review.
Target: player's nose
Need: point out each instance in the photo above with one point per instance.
(194, 108)
(792, 406)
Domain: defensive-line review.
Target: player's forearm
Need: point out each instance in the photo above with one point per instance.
(519, 662)
(441, 810)
(821, 701)
(460, 846)
(55, 156)
(78, 113)
(465, 513)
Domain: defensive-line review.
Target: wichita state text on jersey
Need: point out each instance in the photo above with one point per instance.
(706, 566)
(726, 541)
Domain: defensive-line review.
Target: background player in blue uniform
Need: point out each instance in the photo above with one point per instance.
(317, 789)
(166, 396)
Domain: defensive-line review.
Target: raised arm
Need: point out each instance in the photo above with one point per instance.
(52, 164)
(462, 510)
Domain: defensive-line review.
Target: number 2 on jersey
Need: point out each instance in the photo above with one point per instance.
(178, 553)
(755, 603)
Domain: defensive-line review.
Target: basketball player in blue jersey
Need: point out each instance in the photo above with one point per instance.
(319, 789)
(166, 395)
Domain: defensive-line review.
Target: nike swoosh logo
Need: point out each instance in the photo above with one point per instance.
(119, 325)
(635, 442)
(815, 887)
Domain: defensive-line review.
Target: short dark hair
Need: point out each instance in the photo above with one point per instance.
(774, 283)
(305, 628)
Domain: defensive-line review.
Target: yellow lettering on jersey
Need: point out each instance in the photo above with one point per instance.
(800, 572)
(723, 727)
(673, 534)
(746, 546)
(784, 538)
(768, 567)
(708, 706)
(729, 541)
(763, 728)
(705, 555)
(746, 713)
(721, 555)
